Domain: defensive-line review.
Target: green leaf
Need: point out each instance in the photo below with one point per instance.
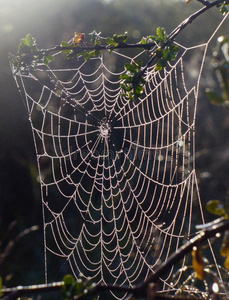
(110, 41)
(130, 96)
(123, 86)
(161, 34)
(158, 66)
(47, 58)
(69, 279)
(131, 67)
(216, 207)
(151, 38)
(45, 61)
(67, 288)
(29, 40)
(138, 90)
(23, 49)
(50, 57)
(144, 41)
(124, 76)
(148, 39)
(120, 38)
(223, 9)
(67, 51)
(172, 56)
(166, 54)
(90, 54)
(126, 88)
(116, 40)
(70, 55)
(174, 48)
(65, 44)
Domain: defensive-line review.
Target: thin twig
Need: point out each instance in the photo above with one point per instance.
(14, 293)
(79, 48)
(182, 26)
(11, 244)
(200, 238)
(141, 289)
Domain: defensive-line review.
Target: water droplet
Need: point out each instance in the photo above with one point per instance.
(160, 157)
(215, 287)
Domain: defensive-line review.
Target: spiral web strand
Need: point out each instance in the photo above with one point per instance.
(117, 177)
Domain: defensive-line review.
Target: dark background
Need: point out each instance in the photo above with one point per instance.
(50, 22)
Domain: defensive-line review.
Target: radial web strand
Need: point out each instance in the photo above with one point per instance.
(117, 177)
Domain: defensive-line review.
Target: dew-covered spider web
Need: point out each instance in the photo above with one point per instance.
(118, 183)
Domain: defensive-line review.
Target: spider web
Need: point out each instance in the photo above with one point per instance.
(118, 181)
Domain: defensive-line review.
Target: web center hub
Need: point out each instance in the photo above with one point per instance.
(105, 129)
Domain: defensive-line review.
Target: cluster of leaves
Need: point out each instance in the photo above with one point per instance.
(223, 7)
(132, 80)
(166, 50)
(28, 55)
(95, 42)
(75, 289)
(221, 66)
(73, 53)
(118, 40)
(218, 208)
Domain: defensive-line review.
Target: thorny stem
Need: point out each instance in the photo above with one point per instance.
(141, 289)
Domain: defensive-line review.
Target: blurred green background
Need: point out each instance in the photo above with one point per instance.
(50, 22)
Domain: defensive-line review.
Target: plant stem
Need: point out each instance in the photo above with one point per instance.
(179, 28)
